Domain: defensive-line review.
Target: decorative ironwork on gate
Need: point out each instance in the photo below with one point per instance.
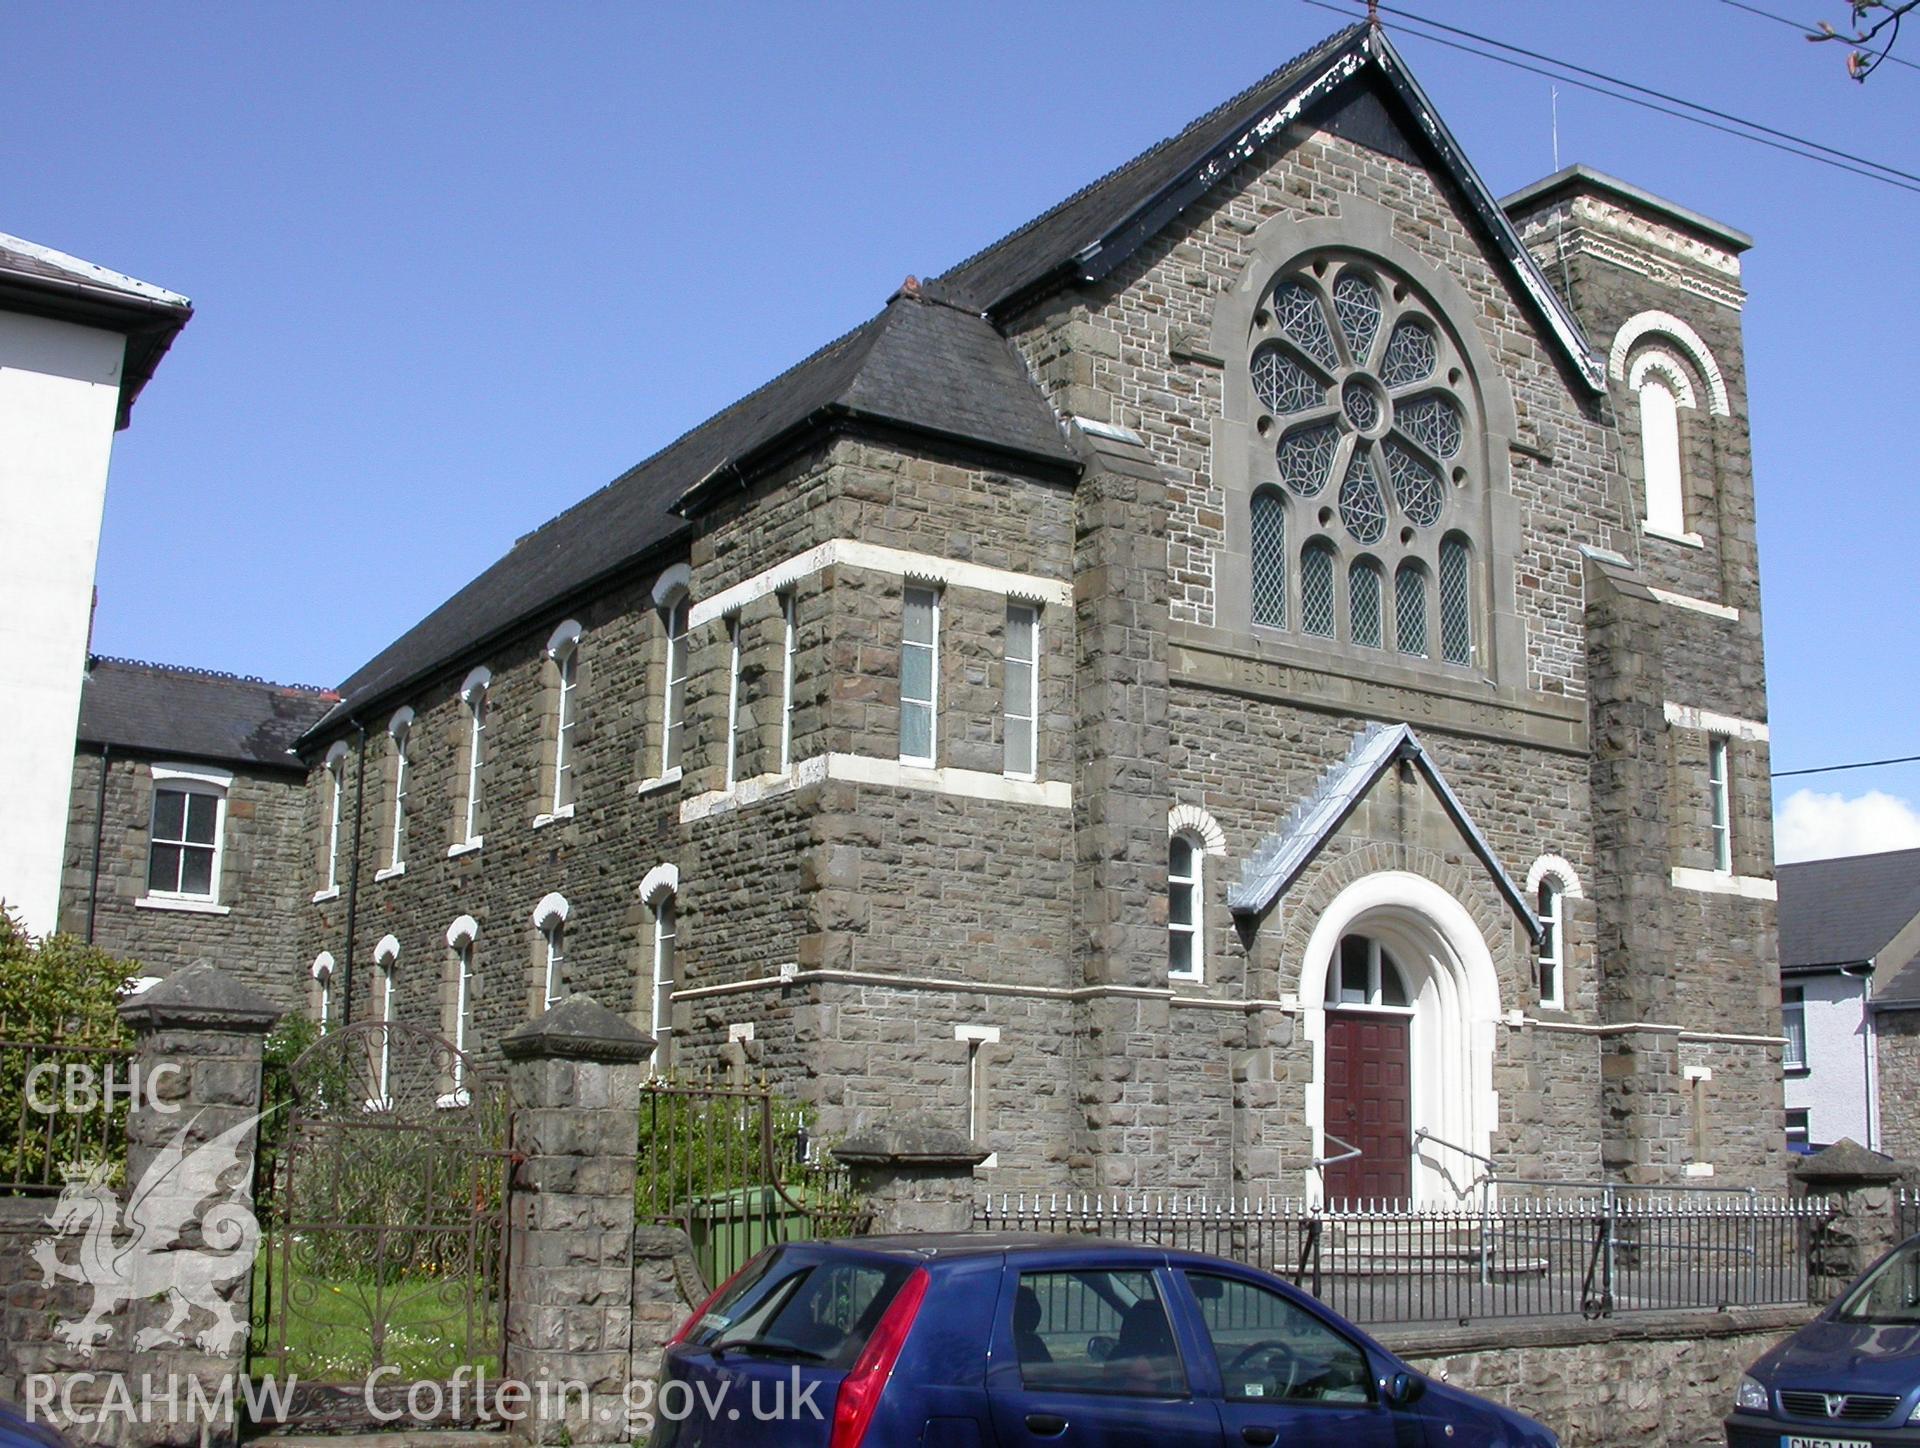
(384, 1177)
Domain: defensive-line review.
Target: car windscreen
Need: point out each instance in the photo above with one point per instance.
(1889, 1293)
(802, 1309)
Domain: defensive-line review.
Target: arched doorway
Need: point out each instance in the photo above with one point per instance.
(1400, 1001)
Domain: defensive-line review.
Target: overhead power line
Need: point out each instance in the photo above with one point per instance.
(1835, 768)
(1567, 73)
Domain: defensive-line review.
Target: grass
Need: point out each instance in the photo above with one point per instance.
(339, 1326)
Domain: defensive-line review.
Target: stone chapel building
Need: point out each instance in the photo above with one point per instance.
(1250, 683)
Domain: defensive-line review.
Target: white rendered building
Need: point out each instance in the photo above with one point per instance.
(77, 343)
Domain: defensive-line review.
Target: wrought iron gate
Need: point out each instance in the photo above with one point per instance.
(382, 1195)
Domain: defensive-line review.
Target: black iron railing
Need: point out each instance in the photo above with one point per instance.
(1591, 1254)
(63, 1112)
(737, 1168)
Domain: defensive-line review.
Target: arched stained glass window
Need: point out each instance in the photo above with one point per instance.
(1410, 609)
(1363, 400)
(1456, 600)
(1269, 559)
(1316, 588)
(1363, 603)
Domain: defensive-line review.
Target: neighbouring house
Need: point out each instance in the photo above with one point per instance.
(1849, 928)
(1252, 682)
(185, 829)
(77, 344)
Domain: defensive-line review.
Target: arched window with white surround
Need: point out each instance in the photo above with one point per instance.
(1185, 908)
(674, 605)
(1667, 369)
(1552, 882)
(550, 919)
(659, 892)
(323, 973)
(1192, 835)
(386, 964)
(400, 738)
(463, 938)
(473, 696)
(336, 794)
(563, 658)
(1660, 452)
(1549, 905)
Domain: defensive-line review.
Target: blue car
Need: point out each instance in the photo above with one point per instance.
(1848, 1379)
(984, 1341)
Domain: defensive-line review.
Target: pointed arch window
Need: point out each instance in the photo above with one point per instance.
(400, 735)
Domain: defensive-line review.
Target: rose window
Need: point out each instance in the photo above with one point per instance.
(1352, 382)
(1362, 396)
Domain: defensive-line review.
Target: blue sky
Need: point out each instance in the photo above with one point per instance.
(458, 265)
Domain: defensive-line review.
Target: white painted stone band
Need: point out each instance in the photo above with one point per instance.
(1712, 882)
(888, 774)
(898, 562)
(1696, 605)
(1685, 716)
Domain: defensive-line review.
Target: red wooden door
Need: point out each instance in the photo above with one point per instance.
(1369, 1106)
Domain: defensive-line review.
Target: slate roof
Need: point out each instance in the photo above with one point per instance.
(1844, 911)
(1021, 259)
(917, 365)
(40, 281)
(931, 363)
(1090, 233)
(160, 710)
(1278, 859)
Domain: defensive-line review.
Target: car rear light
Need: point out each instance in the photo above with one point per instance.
(687, 1327)
(860, 1390)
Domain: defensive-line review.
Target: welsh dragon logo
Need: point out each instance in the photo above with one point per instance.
(132, 1253)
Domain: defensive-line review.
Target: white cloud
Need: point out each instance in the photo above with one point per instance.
(1814, 826)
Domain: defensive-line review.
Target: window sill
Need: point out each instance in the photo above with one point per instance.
(454, 1100)
(1187, 977)
(1697, 1169)
(320, 897)
(1685, 540)
(653, 786)
(187, 907)
(565, 812)
(392, 872)
(466, 847)
(1798, 1070)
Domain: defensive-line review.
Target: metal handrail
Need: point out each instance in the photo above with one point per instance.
(1349, 1154)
